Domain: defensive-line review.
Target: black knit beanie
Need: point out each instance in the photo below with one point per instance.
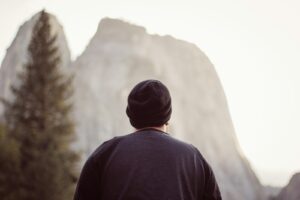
(149, 104)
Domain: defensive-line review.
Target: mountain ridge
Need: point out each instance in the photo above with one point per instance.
(121, 54)
(115, 60)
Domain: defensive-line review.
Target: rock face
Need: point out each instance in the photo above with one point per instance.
(291, 191)
(16, 56)
(119, 56)
(272, 192)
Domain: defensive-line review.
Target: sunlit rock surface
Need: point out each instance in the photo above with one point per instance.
(119, 56)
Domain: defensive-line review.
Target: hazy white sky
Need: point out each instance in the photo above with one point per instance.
(254, 45)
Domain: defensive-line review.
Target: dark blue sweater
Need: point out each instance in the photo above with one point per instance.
(146, 165)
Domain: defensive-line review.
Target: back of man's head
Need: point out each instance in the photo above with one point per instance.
(149, 104)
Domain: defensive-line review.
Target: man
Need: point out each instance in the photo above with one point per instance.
(147, 164)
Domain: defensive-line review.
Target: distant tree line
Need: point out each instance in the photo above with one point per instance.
(36, 161)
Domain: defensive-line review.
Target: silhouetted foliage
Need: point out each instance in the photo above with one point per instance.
(9, 166)
(39, 123)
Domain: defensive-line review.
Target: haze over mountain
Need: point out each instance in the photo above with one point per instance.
(291, 191)
(120, 55)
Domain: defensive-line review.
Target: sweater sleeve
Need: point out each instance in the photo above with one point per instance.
(212, 191)
(89, 182)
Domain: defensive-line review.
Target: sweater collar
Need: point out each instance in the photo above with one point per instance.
(151, 129)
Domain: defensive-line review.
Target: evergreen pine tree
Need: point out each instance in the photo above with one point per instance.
(39, 120)
(9, 167)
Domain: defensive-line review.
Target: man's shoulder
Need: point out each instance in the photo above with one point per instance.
(168, 140)
(107, 145)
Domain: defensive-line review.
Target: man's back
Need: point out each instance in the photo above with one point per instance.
(145, 165)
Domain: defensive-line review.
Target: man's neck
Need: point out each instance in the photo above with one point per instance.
(160, 128)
